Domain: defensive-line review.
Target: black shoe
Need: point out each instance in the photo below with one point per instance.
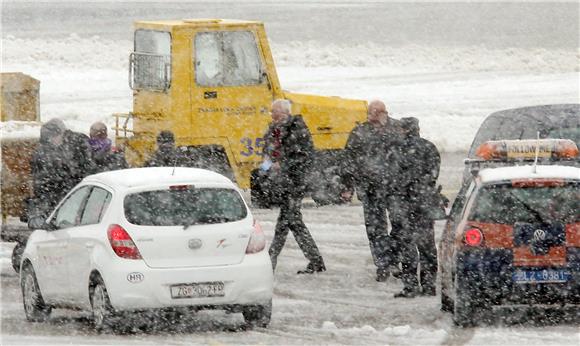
(406, 293)
(395, 271)
(382, 274)
(313, 268)
(428, 291)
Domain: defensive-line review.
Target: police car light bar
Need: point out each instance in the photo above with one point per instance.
(527, 149)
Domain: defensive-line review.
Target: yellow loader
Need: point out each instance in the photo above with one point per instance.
(211, 82)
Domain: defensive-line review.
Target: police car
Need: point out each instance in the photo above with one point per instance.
(513, 235)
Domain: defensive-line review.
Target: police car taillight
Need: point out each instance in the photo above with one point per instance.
(257, 241)
(122, 243)
(527, 149)
(473, 237)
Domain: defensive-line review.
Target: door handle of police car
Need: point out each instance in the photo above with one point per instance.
(89, 245)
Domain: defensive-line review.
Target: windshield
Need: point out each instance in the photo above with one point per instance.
(506, 204)
(184, 207)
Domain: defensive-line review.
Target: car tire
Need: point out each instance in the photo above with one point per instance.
(465, 305)
(17, 256)
(258, 315)
(102, 310)
(35, 308)
(446, 302)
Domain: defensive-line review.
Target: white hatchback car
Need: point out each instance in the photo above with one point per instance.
(149, 238)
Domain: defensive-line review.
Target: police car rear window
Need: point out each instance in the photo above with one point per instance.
(184, 207)
(507, 204)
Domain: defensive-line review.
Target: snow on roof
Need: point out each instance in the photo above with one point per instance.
(527, 172)
(135, 177)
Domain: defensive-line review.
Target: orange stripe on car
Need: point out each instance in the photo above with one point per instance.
(523, 256)
(573, 234)
(537, 182)
(495, 235)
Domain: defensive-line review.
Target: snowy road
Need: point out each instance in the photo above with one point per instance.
(344, 305)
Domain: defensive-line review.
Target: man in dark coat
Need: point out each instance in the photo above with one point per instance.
(104, 155)
(166, 154)
(371, 165)
(61, 161)
(421, 168)
(288, 152)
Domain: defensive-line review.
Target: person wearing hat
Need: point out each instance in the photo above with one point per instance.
(51, 168)
(166, 154)
(104, 155)
(420, 169)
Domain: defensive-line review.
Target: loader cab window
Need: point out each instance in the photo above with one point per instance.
(226, 58)
(150, 63)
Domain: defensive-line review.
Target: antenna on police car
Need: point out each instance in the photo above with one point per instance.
(534, 169)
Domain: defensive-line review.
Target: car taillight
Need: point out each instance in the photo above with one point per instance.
(257, 241)
(122, 243)
(473, 237)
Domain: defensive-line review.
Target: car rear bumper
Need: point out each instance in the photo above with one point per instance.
(247, 283)
(486, 275)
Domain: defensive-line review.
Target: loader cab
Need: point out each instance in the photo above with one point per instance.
(202, 79)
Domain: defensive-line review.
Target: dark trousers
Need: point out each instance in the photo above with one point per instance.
(424, 235)
(376, 223)
(290, 219)
(403, 247)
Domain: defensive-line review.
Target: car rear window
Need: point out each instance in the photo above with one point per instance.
(184, 206)
(506, 204)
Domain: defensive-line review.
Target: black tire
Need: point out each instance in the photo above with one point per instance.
(102, 311)
(446, 302)
(466, 304)
(17, 256)
(35, 308)
(258, 315)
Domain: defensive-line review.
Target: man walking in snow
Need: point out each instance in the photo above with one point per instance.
(288, 151)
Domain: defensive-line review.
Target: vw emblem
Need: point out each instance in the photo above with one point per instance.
(539, 235)
(195, 244)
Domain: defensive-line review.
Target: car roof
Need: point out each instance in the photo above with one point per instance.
(489, 175)
(523, 123)
(137, 177)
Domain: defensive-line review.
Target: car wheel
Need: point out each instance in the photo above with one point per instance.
(17, 256)
(466, 304)
(34, 307)
(446, 302)
(258, 315)
(103, 312)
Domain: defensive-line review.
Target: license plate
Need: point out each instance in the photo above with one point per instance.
(541, 276)
(198, 290)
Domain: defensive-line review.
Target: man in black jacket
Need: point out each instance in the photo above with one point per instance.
(166, 154)
(371, 164)
(421, 168)
(61, 161)
(288, 152)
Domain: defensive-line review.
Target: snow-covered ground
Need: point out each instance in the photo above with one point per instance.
(344, 305)
(450, 65)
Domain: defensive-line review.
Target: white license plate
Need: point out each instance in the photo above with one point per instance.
(198, 290)
(541, 276)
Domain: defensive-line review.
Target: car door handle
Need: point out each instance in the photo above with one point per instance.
(89, 245)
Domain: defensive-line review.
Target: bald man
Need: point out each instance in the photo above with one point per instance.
(372, 165)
